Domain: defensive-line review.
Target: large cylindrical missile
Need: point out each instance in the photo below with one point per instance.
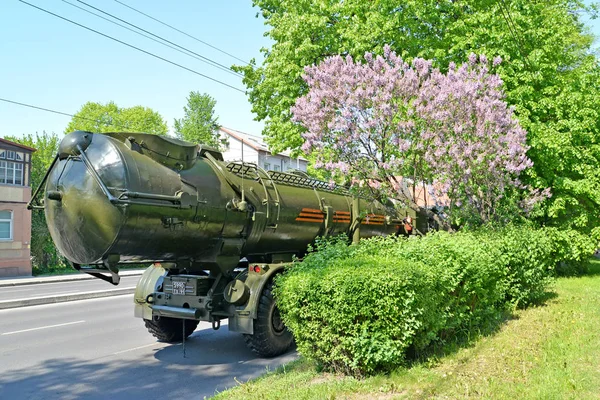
(137, 197)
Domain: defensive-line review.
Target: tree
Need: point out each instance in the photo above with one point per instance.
(199, 125)
(550, 75)
(44, 254)
(386, 119)
(97, 117)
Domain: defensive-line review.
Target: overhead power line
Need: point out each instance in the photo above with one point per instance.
(134, 47)
(180, 31)
(513, 30)
(61, 113)
(89, 119)
(214, 63)
(147, 36)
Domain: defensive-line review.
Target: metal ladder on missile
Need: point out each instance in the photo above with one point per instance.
(271, 200)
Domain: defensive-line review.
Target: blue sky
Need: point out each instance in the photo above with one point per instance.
(53, 64)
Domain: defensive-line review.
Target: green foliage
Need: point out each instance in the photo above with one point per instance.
(44, 255)
(551, 77)
(199, 125)
(358, 309)
(525, 256)
(97, 117)
(352, 323)
(571, 250)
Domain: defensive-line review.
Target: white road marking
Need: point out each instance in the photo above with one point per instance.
(136, 348)
(43, 327)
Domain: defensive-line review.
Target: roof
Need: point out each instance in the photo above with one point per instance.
(252, 141)
(424, 196)
(17, 145)
(255, 142)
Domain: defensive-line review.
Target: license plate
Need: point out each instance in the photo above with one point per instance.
(178, 287)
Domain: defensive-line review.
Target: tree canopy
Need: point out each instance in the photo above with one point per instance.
(97, 117)
(199, 124)
(550, 75)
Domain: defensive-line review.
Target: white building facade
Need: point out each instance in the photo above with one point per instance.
(256, 151)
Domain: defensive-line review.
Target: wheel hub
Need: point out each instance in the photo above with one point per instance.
(278, 326)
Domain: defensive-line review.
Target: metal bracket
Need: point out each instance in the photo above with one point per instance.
(33, 204)
(113, 278)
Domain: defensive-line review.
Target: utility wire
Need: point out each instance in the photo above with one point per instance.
(513, 30)
(91, 119)
(180, 31)
(146, 36)
(134, 47)
(61, 113)
(510, 18)
(216, 64)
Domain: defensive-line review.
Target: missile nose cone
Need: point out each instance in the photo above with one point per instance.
(74, 141)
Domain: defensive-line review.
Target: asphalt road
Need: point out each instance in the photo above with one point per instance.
(49, 289)
(96, 349)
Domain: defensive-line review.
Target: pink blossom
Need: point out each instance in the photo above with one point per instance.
(383, 118)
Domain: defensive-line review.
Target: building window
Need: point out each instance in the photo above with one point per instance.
(276, 167)
(11, 155)
(6, 225)
(267, 166)
(11, 173)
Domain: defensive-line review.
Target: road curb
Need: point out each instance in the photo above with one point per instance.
(61, 298)
(59, 278)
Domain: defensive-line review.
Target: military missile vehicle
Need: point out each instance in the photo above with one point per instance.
(214, 232)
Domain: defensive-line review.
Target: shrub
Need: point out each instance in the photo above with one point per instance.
(357, 309)
(571, 251)
(525, 256)
(356, 312)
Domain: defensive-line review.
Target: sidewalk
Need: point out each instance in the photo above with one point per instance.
(10, 283)
(28, 280)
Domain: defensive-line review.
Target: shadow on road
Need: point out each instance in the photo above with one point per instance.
(208, 347)
(214, 361)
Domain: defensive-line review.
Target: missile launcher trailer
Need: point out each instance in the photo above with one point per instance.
(120, 198)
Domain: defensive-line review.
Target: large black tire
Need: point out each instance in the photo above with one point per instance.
(271, 337)
(169, 329)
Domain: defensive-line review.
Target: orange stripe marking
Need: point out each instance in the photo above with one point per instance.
(309, 215)
(309, 220)
(312, 210)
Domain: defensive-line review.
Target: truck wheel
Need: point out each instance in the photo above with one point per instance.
(271, 337)
(169, 329)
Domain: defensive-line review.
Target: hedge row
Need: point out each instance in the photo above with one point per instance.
(358, 309)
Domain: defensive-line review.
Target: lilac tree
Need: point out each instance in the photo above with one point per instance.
(385, 122)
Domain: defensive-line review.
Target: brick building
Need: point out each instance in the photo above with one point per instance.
(15, 219)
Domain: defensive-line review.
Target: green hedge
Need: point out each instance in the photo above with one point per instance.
(357, 309)
(571, 251)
